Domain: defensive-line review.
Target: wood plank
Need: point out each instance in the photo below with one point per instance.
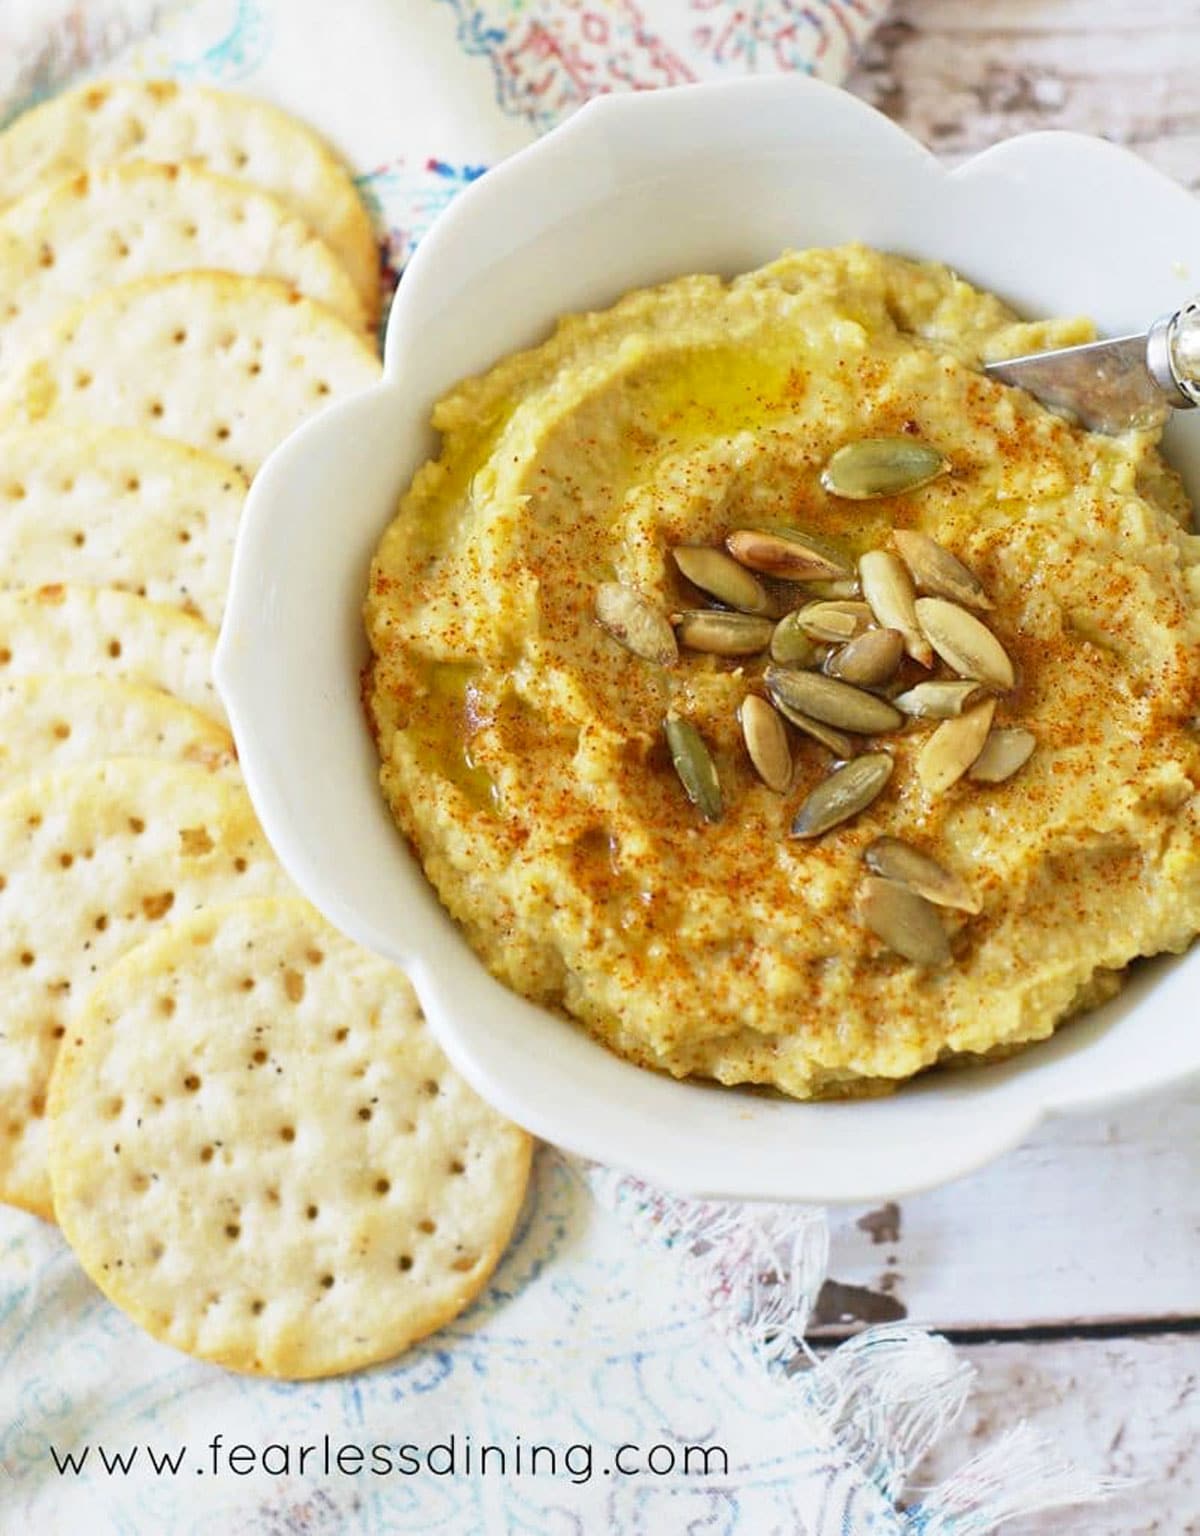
(961, 76)
(1093, 1221)
(1129, 1408)
(1031, 18)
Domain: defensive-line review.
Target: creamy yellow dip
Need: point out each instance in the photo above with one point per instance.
(522, 747)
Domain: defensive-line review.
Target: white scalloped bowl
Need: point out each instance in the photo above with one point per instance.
(632, 190)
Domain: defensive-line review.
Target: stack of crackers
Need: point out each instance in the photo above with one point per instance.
(238, 1117)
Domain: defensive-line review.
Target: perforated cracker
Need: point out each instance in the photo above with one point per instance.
(96, 633)
(92, 860)
(116, 224)
(114, 507)
(107, 122)
(228, 364)
(260, 1153)
(49, 723)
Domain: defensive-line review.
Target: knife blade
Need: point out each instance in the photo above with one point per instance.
(1120, 384)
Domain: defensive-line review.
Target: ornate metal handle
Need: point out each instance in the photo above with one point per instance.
(1173, 354)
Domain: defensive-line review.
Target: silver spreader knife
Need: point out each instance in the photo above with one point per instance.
(1113, 386)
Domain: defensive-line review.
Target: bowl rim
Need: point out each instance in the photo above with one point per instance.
(1013, 1109)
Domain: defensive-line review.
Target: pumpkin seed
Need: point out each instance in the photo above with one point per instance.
(834, 702)
(937, 700)
(695, 767)
(636, 623)
(766, 741)
(777, 554)
(1004, 752)
(888, 589)
(714, 572)
(790, 646)
(869, 660)
(722, 634)
(834, 591)
(842, 746)
(832, 551)
(881, 466)
(901, 862)
(847, 791)
(964, 642)
(907, 923)
(953, 747)
(834, 621)
(936, 571)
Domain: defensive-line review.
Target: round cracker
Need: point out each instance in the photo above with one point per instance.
(114, 507)
(50, 723)
(228, 364)
(116, 224)
(91, 632)
(287, 1178)
(112, 121)
(92, 860)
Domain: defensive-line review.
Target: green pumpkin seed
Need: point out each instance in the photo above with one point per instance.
(716, 573)
(937, 700)
(868, 661)
(835, 621)
(847, 791)
(1004, 753)
(766, 741)
(953, 747)
(964, 643)
(833, 591)
(842, 746)
(776, 554)
(881, 466)
(888, 589)
(723, 634)
(899, 861)
(790, 646)
(635, 622)
(907, 923)
(936, 571)
(695, 767)
(834, 702)
(829, 550)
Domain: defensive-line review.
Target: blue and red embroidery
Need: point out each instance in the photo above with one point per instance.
(767, 36)
(404, 200)
(550, 56)
(547, 57)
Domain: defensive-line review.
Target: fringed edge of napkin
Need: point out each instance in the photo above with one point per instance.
(885, 1397)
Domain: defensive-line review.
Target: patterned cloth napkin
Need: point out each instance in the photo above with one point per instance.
(620, 1316)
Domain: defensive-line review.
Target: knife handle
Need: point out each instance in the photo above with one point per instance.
(1173, 354)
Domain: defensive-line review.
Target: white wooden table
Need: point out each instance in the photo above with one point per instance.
(1070, 1269)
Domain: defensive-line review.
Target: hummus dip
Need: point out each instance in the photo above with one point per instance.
(523, 750)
